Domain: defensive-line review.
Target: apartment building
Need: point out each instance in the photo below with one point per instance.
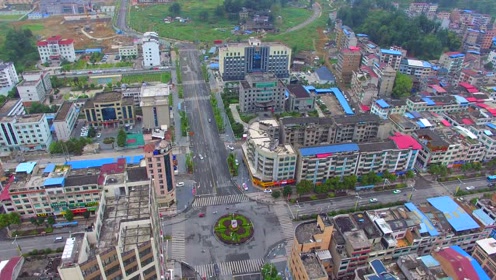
(109, 109)
(453, 62)
(310, 256)
(24, 133)
(390, 57)
(418, 68)
(154, 103)
(65, 120)
(477, 78)
(128, 51)
(12, 107)
(485, 254)
(160, 168)
(348, 61)
(453, 258)
(386, 107)
(387, 76)
(345, 37)
(151, 49)
(364, 84)
(34, 87)
(269, 162)
(124, 243)
(299, 99)
(8, 77)
(56, 48)
(237, 60)
(487, 136)
(310, 131)
(261, 92)
(437, 104)
(487, 39)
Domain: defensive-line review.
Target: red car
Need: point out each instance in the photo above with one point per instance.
(201, 215)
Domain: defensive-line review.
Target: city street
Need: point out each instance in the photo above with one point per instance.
(209, 153)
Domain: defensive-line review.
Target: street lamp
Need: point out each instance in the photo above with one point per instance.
(411, 194)
(356, 203)
(17, 245)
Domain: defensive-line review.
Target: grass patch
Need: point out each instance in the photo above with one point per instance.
(163, 77)
(292, 16)
(9, 17)
(34, 26)
(180, 91)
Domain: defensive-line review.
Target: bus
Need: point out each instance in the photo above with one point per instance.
(491, 179)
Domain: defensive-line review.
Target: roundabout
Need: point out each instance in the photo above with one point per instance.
(233, 229)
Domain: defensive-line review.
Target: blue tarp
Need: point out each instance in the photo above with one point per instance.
(25, 167)
(429, 101)
(408, 115)
(382, 103)
(491, 125)
(420, 124)
(59, 181)
(81, 164)
(214, 66)
(461, 99)
(327, 149)
(49, 168)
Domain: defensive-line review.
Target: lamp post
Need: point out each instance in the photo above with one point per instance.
(411, 194)
(17, 245)
(356, 203)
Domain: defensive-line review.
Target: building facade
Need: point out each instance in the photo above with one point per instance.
(8, 77)
(128, 51)
(65, 120)
(418, 68)
(261, 92)
(348, 61)
(12, 107)
(63, 7)
(151, 49)
(485, 254)
(299, 99)
(453, 62)
(391, 58)
(160, 168)
(237, 60)
(25, 133)
(34, 87)
(109, 109)
(56, 48)
(154, 103)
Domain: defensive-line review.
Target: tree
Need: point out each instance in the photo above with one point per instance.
(304, 187)
(287, 191)
(175, 9)
(4, 221)
(276, 194)
(34, 221)
(50, 220)
(489, 66)
(91, 132)
(350, 182)
(69, 216)
(121, 138)
(19, 48)
(269, 272)
(86, 215)
(410, 174)
(203, 15)
(37, 107)
(402, 86)
(14, 218)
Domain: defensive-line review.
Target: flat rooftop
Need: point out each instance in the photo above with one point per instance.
(30, 118)
(124, 209)
(261, 138)
(8, 105)
(160, 90)
(357, 239)
(305, 232)
(313, 266)
(63, 111)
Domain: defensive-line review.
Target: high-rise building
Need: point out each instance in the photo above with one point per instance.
(151, 49)
(8, 77)
(160, 168)
(65, 120)
(453, 62)
(345, 37)
(237, 60)
(391, 58)
(56, 48)
(109, 109)
(34, 87)
(348, 61)
(261, 92)
(154, 103)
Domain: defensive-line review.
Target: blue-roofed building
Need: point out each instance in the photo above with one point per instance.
(418, 68)
(337, 160)
(459, 265)
(57, 182)
(26, 167)
(49, 168)
(391, 58)
(382, 103)
(458, 219)
(325, 76)
(453, 62)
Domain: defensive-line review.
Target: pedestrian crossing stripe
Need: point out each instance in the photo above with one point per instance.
(178, 243)
(218, 200)
(286, 225)
(230, 268)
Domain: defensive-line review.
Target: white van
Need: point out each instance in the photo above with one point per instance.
(58, 239)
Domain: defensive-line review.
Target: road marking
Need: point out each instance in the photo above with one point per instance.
(218, 200)
(230, 268)
(178, 242)
(286, 225)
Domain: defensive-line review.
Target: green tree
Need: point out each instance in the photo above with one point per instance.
(287, 191)
(175, 9)
(50, 220)
(276, 194)
(269, 272)
(304, 187)
(350, 182)
(410, 174)
(86, 215)
(19, 48)
(37, 107)
(91, 132)
(121, 138)
(402, 86)
(69, 216)
(489, 66)
(203, 15)
(4, 221)
(34, 221)
(14, 218)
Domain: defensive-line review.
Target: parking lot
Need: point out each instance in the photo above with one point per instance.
(81, 130)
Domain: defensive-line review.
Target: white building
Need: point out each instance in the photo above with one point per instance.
(151, 49)
(127, 51)
(34, 87)
(12, 107)
(65, 120)
(391, 58)
(8, 77)
(24, 133)
(154, 103)
(417, 68)
(56, 48)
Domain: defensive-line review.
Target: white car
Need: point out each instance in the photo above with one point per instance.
(201, 157)
(98, 135)
(230, 147)
(268, 191)
(245, 187)
(237, 162)
(470, 188)
(373, 200)
(180, 184)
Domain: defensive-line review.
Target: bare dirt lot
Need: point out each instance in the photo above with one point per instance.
(104, 36)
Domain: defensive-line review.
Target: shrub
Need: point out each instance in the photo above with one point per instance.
(48, 251)
(313, 197)
(276, 194)
(59, 250)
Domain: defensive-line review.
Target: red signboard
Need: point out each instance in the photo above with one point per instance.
(323, 155)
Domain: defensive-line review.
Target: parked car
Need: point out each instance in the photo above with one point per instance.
(373, 200)
(98, 135)
(201, 157)
(268, 191)
(237, 162)
(397, 191)
(245, 186)
(470, 188)
(180, 184)
(230, 147)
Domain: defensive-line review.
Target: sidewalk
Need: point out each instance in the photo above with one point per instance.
(236, 116)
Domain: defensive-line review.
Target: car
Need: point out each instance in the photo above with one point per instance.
(98, 135)
(245, 186)
(397, 191)
(236, 161)
(230, 147)
(58, 239)
(209, 120)
(180, 184)
(201, 215)
(268, 191)
(373, 200)
(470, 188)
(201, 157)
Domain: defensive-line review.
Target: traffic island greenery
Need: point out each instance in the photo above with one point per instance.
(184, 124)
(109, 140)
(189, 163)
(231, 164)
(217, 114)
(234, 229)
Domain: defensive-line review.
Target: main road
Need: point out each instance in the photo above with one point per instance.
(208, 151)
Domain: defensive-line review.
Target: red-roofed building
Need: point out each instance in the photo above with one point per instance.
(404, 141)
(458, 265)
(56, 48)
(9, 269)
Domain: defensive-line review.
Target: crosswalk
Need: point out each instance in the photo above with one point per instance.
(197, 98)
(286, 225)
(218, 200)
(230, 268)
(178, 243)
